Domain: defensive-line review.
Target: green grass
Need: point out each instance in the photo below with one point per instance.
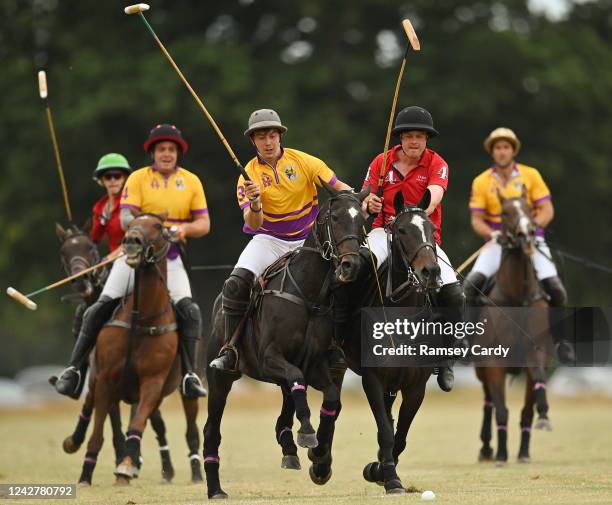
(571, 465)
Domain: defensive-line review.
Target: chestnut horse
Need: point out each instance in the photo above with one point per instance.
(516, 285)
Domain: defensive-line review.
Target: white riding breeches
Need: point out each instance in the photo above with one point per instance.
(377, 239)
(120, 281)
(489, 259)
(262, 251)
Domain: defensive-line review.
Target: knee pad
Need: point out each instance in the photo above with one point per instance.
(189, 318)
(237, 290)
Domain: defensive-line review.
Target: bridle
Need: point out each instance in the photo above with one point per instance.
(329, 247)
(78, 262)
(135, 241)
(412, 282)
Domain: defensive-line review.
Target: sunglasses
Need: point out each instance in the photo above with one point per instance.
(112, 176)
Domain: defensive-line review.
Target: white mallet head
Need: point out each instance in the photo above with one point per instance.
(136, 8)
(428, 496)
(411, 34)
(42, 84)
(21, 298)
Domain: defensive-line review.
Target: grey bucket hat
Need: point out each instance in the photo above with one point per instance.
(263, 119)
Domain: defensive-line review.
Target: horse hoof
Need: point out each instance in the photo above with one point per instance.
(219, 495)
(371, 473)
(291, 462)
(485, 454)
(69, 446)
(84, 483)
(126, 471)
(307, 440)
(543, 424)
(500, 464)
(524, 459)
(394, 487)
(319, 481)
(122, 481)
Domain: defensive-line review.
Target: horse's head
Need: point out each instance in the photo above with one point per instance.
(413, 241)
(78, 252)
(146, 240)
(339, 231)
(518, 228)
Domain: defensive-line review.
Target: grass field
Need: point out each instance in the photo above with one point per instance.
(571, 465)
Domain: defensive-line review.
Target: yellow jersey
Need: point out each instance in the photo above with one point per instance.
(288, 193)
(180, 194)
(483, 197)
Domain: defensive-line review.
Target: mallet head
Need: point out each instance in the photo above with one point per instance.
(42, 84)
(21, 298)
(411, 34)
(136, 8)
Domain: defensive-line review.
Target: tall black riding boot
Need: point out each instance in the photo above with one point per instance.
(473, 284)
(451, 300)
(76, 329)
(236, 297)
(558, 298)
(93, 320)
(189, 322)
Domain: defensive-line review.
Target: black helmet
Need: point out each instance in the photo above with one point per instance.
(166, 132)
(414, 118)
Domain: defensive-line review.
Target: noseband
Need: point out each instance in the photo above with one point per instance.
(147, 246)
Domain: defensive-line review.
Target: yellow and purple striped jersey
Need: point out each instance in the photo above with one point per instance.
(288, 193)
(483, 197)
(180, 194)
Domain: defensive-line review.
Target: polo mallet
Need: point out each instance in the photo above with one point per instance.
(25, 299)
(42, 89)
(139, 9)
(416, 46)
(472, 258)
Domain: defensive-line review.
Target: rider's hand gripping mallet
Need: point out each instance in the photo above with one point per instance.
(139, 9)
(42, 90)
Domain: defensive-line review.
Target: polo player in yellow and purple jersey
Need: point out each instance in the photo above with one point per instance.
(507, 177)
(279, 206)
(162, 187)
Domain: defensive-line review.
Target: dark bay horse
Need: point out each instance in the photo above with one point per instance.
(516, 285)
(414, 273)
(136, 356)
(290, 328)
(78, 252)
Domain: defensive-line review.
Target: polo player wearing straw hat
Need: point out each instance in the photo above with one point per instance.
(279, 206)
(162, 187)
(508, 177)
(413, 168)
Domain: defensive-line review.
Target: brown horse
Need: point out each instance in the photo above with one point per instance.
(516, 285)
(78, 252)
(137, 353)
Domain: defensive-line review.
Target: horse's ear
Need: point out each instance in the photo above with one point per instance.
(425, 201)
(398, 202)
(524, 192)
(61, 233)
(134, 212)
(330, 190)
(163, 216)
(87, 225)
(364, 192)
(500, 196)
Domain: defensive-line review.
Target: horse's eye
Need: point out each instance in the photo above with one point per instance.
(158, 227)
(334, 218)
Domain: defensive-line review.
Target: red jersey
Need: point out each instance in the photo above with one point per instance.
(103, 224)
(431, 170)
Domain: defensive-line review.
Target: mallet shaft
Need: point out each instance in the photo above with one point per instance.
(472, 257)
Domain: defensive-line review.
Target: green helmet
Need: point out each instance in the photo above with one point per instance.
(111, 161)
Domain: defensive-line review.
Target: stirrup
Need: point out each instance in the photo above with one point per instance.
(222, 353)
(192, 375)
(70, 369)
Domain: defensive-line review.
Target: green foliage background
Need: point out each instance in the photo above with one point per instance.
(483, 64)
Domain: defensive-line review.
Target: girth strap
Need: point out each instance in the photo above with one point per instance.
(149, 331)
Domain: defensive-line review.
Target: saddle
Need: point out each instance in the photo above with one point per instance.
(148, 331)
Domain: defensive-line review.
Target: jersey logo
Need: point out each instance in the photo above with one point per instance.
(290, 172)
(421, 178)
(154, 183)
(266, 180)
(444, 172)
(179, 183)
(241, 193)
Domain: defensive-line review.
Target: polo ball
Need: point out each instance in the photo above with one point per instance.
(428, 496)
